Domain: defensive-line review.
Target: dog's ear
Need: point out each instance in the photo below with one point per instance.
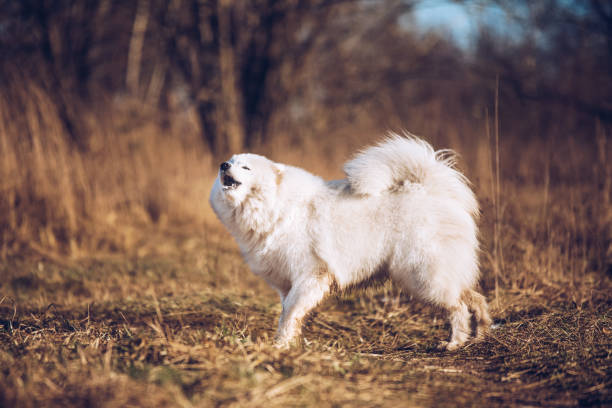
(279, 170)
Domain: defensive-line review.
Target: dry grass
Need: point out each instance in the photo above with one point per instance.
(131, 171)
(120, 289)
(195, 328)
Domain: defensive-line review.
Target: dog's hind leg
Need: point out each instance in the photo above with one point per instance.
(477, 304)
(459, 317)
(301, 299)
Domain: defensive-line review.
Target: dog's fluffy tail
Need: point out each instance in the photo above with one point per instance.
(400, 160)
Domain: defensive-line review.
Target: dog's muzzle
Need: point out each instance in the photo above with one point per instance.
(228, 181)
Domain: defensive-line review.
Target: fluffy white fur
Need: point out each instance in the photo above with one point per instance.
(402, 212)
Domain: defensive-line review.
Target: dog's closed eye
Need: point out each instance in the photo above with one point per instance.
(245, 167)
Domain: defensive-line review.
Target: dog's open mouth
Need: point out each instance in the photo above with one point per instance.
(229, 182)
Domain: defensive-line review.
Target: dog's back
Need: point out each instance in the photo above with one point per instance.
(398, 161)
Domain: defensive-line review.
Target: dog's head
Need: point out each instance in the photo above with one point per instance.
(245, 175)
(245, 190)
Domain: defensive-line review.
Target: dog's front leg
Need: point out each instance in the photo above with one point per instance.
(301, 299)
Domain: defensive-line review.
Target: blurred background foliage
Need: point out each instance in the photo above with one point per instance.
(114, 114)
(256, 68)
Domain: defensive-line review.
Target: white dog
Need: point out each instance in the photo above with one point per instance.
(403, 212)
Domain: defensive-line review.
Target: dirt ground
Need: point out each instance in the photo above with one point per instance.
(191, 326)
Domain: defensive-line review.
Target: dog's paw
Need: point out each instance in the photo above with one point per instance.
(282, 345)
(448, 346)
(285, 343)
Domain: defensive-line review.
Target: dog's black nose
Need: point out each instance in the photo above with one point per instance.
(225, 166)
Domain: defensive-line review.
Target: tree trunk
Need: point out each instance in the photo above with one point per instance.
(230, 126)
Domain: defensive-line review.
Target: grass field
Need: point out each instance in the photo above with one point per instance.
(191, 326)
(119, 288)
